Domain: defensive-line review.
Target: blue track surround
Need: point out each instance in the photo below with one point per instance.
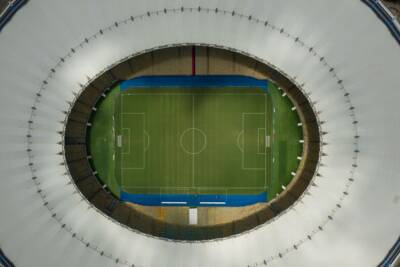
(193, 200)
(200, 81)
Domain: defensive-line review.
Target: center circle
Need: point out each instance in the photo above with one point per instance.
(193, 141)
(240, 124)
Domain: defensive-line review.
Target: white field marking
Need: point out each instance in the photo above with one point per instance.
(267, 141)
(193, 94)
(238, 138)
(258, 142)
(133, 113)
(144, 141)
(154, 94)
(243, 140)
(244, 114)
(185, 149)
(230, 86)
(212, 203)
(114, 150)
(193, 125)
(265, 132)
(275, 124)
(129, 141)
(232, 94)
(119, 141)
(120, 117)
(164, 190)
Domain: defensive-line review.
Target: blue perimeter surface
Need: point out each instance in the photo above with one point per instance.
(193, 200)
(199, 81)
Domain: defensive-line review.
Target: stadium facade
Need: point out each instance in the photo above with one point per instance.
(342, 55)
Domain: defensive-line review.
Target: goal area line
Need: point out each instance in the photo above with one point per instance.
(195, 200)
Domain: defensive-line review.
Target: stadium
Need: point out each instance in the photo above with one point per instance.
(199, 133)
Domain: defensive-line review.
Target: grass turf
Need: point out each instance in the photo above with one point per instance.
(286, 145)
(162, 141)
(102, 141)
(193, 141)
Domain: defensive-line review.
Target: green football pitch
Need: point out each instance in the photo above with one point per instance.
(223, 141)
(188, 141)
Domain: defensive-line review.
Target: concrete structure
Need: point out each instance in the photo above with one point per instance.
(338, 52)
